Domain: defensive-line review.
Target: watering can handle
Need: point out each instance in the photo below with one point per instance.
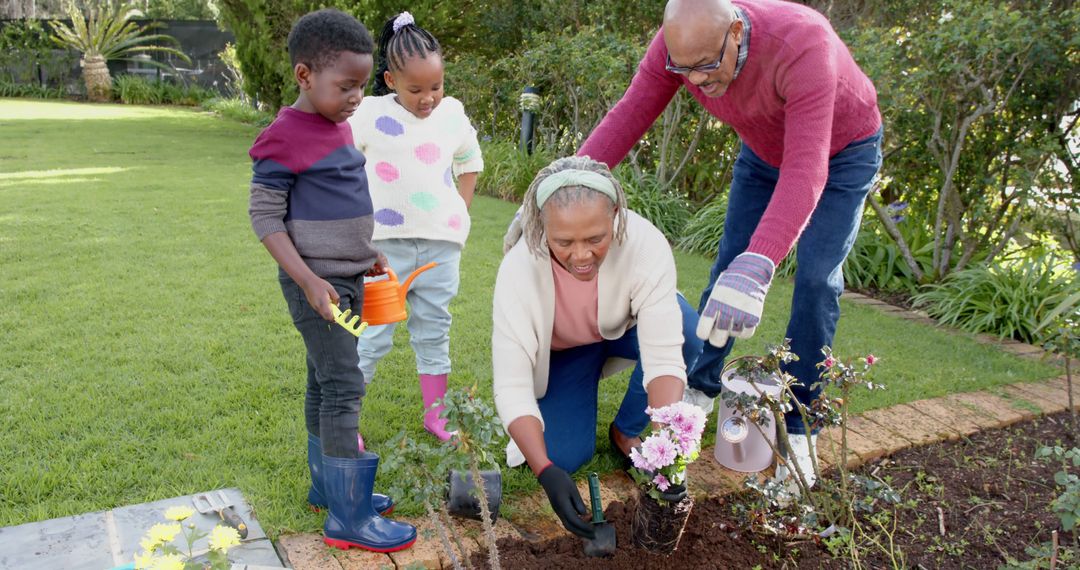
(405, 286)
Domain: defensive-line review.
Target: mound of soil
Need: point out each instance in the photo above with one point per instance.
(993, 494)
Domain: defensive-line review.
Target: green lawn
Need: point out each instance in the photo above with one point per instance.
(147, 351)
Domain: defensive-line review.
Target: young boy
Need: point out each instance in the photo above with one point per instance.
(310, 207)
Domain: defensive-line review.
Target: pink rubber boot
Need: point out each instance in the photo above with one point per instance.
(433, 387)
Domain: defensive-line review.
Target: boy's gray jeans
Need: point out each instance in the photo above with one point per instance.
(335, 385)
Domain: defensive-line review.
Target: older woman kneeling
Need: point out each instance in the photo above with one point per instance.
(586, 288)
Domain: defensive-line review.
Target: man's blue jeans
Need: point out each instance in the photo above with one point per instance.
(569, 407)
(822, 247)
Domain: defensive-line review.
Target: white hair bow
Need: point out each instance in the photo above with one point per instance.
(403, 19)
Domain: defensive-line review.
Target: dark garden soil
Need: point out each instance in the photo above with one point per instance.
(993, 494)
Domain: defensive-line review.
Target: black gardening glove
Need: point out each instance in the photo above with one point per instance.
(565, 500)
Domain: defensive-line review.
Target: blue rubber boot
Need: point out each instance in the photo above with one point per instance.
(383, 505)
(353, 522)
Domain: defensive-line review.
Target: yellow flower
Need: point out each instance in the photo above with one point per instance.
(144, 561)
(169, 562)
(163, 533)
(222, 537)
(148, 545)
(178, 513)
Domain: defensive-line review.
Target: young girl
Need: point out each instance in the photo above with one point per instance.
(417, 142)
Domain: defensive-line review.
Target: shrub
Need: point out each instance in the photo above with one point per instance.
(238, 110)
(30, 90)
(137, 90)
(875, 261)
(1005, 300)
(508, 171)
(660, 205)
(580, 76)
(261, 28)
(701, 235)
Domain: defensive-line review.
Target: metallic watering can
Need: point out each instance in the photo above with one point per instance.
(384, 300)
(741, 446)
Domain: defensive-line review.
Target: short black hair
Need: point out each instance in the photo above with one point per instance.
(319, 37)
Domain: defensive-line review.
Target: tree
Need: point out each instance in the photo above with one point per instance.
(179, 9)
(102, 31)
(262, 28)
(973, 100)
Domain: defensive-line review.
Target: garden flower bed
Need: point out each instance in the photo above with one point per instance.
(993, 493)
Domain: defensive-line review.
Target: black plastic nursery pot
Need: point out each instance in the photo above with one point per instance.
(461, 500)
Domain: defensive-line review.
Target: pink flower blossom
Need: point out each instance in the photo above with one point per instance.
(829, 362)
(661, 482)
(658, 450)
(686, 420)
(871, 359)
(687, 445)
(638, 460)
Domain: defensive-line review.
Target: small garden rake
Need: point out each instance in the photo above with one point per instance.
(352, 325)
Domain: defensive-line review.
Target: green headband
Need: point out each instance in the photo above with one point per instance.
(564, 178)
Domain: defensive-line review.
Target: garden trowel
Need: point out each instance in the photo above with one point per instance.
(207, 503)
(604, 543)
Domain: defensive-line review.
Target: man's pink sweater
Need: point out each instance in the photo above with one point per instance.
(798, 100)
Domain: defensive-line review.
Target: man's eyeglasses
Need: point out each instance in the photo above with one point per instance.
(703, 68)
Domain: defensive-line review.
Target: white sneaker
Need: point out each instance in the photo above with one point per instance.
(699, 399)
(799, 451)
(514, 457)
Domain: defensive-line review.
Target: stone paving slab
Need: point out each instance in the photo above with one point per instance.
(107, 539)
(1062, 383)
(1045, 405)
(829, 448)
(428, 551)
(943, 427)
(970, 410)
(999, 410)
(307, 552)
(957, 418)
(1021, 349)
(356, 559)
(906, 423)
(1049, 391)
(882, 436)
(870, 445)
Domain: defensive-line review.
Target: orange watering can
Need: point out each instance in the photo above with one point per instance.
(384, 300)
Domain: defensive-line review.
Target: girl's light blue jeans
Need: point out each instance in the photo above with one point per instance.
(428, 298)
(822, 247)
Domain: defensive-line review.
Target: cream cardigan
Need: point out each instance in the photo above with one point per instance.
(636, 285)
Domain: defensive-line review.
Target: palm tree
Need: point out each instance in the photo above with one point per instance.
(104, 30)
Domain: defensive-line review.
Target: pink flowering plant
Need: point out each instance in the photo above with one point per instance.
(833, 502)
(659, 465)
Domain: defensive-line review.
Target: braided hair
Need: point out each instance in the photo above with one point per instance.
(533, 216)
(395, 47)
